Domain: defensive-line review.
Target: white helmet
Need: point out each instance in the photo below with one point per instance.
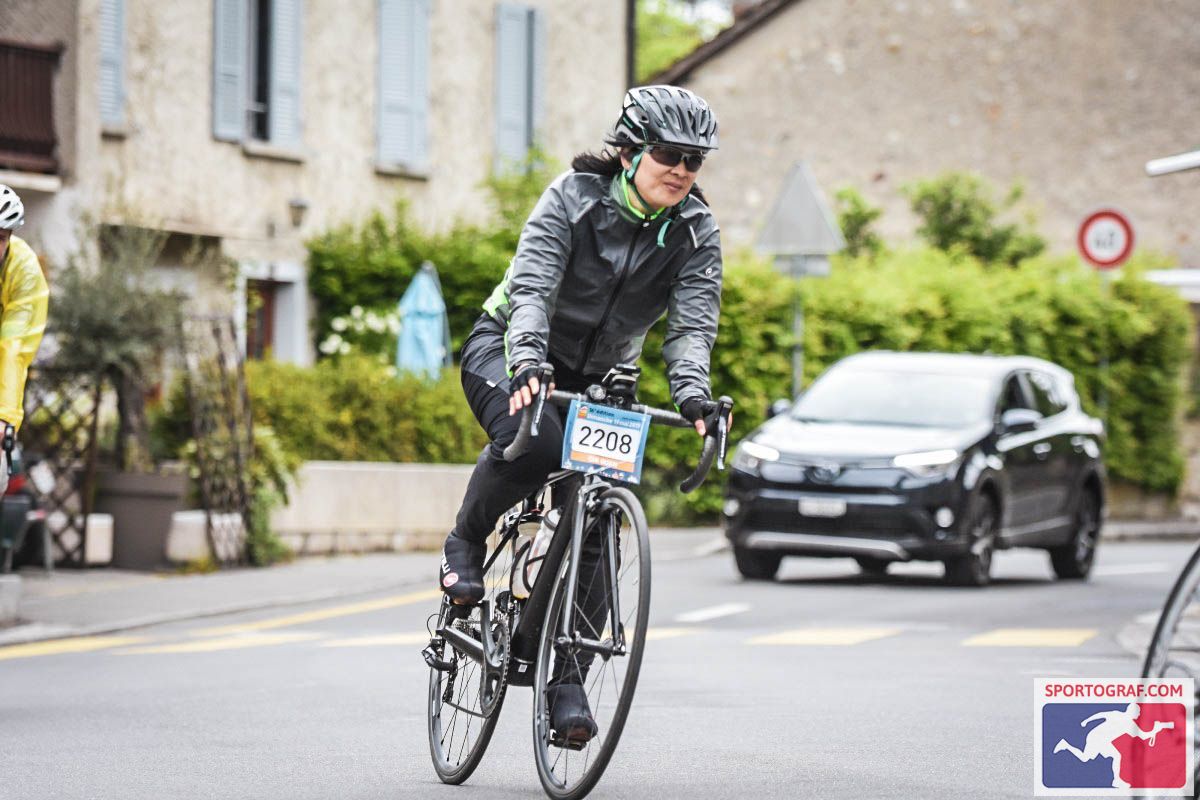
(12, 210)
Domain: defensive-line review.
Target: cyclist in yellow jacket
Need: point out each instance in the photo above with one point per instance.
(24, 298)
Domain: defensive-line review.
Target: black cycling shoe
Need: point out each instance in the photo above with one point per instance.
(570, 717)
(461, 575)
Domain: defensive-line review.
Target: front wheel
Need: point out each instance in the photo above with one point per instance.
(603, 657)
(1173, 652)
(756, 565)
(974, 568)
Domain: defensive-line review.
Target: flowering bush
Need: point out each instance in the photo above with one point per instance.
(367, 331)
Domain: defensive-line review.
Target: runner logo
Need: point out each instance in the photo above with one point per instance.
(1114, 738)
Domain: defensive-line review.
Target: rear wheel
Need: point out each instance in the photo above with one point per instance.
(1073, 560)
(756, 565)
(616, 538)
(974, 568)
(465, 699)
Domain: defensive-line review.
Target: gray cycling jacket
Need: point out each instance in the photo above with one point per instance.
(588, 281)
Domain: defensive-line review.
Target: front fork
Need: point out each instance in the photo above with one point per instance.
(571, 639)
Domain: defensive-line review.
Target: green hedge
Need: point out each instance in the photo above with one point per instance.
(921, 299)
(352, 409)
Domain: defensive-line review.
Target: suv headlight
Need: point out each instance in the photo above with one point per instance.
(749, 455)
(928, 464)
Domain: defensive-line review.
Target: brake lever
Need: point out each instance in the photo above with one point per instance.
(545, 378)
(724, 407)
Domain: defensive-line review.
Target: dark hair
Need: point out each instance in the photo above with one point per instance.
(608, 163)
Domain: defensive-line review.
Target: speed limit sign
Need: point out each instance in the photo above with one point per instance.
(1106, 238)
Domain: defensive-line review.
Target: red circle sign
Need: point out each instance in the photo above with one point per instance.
(1106, 238)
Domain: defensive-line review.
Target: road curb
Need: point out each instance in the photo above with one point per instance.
(42, 632)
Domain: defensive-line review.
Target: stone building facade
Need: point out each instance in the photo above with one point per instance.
(162, 159)
(1069, 98)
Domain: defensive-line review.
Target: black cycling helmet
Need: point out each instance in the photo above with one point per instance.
(665, 115)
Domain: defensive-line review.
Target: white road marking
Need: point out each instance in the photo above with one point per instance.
(713, 612)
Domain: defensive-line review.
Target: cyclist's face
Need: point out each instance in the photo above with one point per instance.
(661, 186)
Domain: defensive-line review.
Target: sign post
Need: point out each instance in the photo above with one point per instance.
(801, 234)
(1105, 241)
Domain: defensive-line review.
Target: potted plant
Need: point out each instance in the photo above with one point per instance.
(113, 317)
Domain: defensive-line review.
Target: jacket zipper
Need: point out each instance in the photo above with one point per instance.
(612, 299)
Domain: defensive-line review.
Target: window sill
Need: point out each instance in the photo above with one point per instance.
(31, 181)
(255, 149)
(114, 131)
(401, 171)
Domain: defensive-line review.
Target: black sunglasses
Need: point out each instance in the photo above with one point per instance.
(671, 156)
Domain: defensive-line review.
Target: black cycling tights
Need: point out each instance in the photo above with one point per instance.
(497, 485)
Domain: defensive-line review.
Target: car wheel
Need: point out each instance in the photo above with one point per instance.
(974, 568)
(875, 567)
(756, 565)
(1073, 560)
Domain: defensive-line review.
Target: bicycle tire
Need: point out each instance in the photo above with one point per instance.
(454, 766)
(633, 583)
(1159, 662)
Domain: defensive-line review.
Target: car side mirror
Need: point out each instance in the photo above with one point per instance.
(778, 408)
(1019, 420)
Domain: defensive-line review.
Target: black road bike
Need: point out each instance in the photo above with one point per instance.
(583, 621)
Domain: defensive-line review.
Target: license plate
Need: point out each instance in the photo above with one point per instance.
(608, 441)
(822, 507)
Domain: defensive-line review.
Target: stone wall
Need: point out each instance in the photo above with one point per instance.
(1070, 98)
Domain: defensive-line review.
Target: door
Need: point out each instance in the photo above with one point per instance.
(1021, 464)
(260, 318)
(1055, 450)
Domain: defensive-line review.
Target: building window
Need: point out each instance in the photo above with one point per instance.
(403, 98)
(520, 55)
(256, 71)
(260, 70)
(112, 63)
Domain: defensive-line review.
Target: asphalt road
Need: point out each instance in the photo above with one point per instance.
(822, 684)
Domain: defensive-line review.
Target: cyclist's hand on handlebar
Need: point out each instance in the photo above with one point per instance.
(525, 385)
(703, 414)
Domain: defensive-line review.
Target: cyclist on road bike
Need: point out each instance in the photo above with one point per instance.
(612, 244)
(24, 298)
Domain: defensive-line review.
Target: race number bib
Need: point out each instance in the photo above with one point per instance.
(609, 441)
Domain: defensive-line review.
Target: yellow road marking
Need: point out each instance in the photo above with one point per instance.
(654, 634)
(334, 612)
(1032, 637)
(380, 641)
(226, 643)
(82, 644)
(825, 636)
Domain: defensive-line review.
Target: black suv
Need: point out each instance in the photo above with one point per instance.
(934, 456)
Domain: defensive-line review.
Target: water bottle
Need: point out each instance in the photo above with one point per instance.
(526, 572)
(526, 534)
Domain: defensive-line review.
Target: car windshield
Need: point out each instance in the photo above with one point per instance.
(896, 398)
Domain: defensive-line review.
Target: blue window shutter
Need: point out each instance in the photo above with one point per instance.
(112, 62)
(230, 23)
(403, 105)
(537, 72)
(513, 87)
(287, 24)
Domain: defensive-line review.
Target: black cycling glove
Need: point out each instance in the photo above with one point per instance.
(695, 408)
(523, 373)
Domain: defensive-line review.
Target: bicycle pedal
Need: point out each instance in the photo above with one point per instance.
(567, 744)
(431, 658)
